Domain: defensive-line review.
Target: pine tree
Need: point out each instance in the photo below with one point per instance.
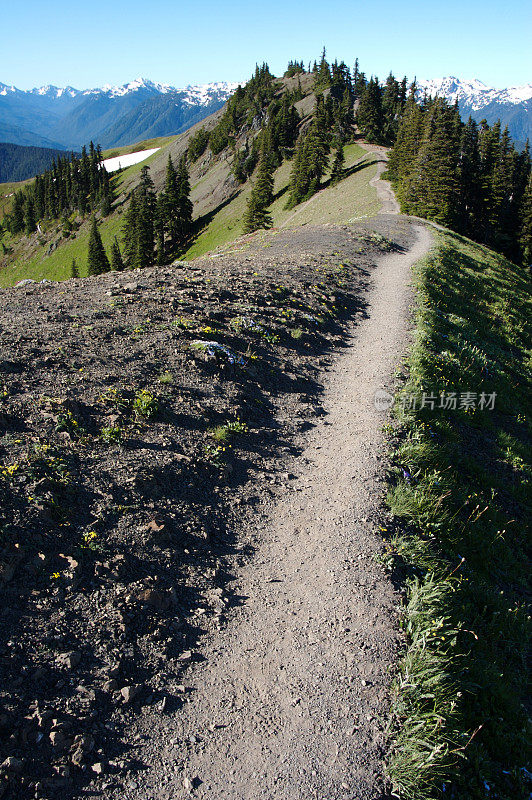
(170, 207)
(29, 217)
(469, 203)
(74, 271)
(144, 223)
(261, 197)
(97, 261)
(338, 164)
(370, 114)
(160, 216)
(117, 262)
(431, 188)
(129, 232)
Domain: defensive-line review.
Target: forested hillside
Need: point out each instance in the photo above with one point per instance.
(18, 163)
(467, 177)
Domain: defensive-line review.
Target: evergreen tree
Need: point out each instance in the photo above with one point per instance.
(370, 114)
(170, 207)
(17, 213)
(525, 239)
(338, 164)
(431, 188)
(129, 232)
(144, 223)
(117, 262)
(30, 226)
(160, 216)
(97, 261)
(261, 197)
(74, 271)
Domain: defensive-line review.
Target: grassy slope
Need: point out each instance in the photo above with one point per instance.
(56, 266)
(352, 198)
(461, 502)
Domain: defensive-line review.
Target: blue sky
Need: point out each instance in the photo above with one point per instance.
(181, 43)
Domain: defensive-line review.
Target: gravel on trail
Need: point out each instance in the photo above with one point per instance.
(186, 614)
(290, 699)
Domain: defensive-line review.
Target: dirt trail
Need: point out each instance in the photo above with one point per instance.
(384, 189)
(290, 700)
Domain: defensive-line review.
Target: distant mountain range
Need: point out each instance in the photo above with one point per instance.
(512, 106)
(66, 118)
(113, 115)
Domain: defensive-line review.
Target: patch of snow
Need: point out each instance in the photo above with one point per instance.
(202, 94)
(205, 93)
(112, 164)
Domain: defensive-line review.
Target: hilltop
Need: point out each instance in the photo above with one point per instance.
(219, 198)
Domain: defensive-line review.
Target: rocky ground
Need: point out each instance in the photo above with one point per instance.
(145, 419)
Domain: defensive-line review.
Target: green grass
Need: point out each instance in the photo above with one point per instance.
(351, 198)
(31, 259)
(461, 500)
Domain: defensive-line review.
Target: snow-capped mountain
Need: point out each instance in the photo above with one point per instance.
(513, 106)
(112, 115)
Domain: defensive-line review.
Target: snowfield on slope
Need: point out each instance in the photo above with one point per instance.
(112, 164)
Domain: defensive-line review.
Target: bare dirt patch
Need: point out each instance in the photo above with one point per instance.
(122, 513)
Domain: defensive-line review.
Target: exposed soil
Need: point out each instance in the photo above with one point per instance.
(290, 700)
(123, 519)
(389, 204)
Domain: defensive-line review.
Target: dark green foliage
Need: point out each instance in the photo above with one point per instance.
(70, 184)
(370, 115)
(198, 144)
(525, 239)
(74, 271)
(247, 105)
(261, 195)
(18, 162)
(129, 232)
(431, 189)
(468, 178)
(310, 159)
(338, 164)
(97, 261)
(144, 227)
(157, 228)
(29, 216)
(322, 73)
(117, 263)
(294, 68)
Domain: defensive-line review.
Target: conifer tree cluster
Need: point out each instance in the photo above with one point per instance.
(380, 107)
(466, 176)
(294, 68)
(332, 124)
(72, 183)
(246, 106)
(157, 227)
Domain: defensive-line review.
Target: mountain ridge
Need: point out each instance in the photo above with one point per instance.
(513, 105)
(69, 117)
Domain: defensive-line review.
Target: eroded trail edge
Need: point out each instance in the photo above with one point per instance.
(291, 699)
